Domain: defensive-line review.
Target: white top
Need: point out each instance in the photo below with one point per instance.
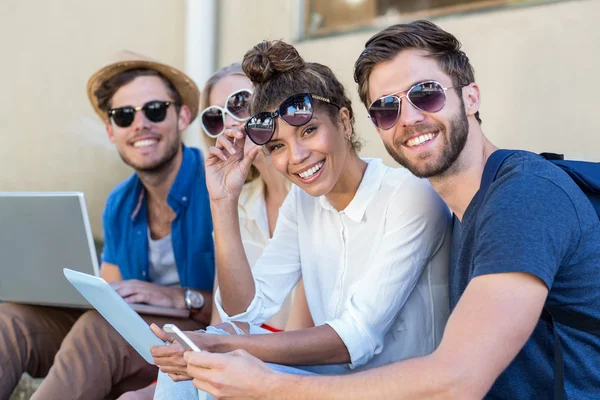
(162, 269)
(254, 229)
(376, 272)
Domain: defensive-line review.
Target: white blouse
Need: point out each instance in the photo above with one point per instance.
(375, 272)
(254, 229)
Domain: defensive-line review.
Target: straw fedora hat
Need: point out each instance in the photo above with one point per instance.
(126, 60)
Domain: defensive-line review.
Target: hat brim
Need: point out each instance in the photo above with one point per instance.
(188, 90)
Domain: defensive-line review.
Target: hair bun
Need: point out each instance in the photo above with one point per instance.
(270, 58)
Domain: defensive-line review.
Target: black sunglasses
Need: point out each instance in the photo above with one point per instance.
(155, 111)
(428, 96)
(296, 110)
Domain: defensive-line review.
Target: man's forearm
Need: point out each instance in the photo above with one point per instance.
(235, 278)
(418, 378)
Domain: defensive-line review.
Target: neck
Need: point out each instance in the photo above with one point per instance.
(347, 185)
(158, 183)
(459, 184)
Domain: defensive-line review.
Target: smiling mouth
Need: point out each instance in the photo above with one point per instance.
(145, 142)
(310, 172)
(421, 139)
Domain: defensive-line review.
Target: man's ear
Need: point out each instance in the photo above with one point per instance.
(472, 99)
(183, 119)
(109, 130)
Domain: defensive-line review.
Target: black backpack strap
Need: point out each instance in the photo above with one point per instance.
(559, 362)
(575, 320)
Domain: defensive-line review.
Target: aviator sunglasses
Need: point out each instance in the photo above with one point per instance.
(155, 111)
(296, 110)
(236, 105)
(428, 96)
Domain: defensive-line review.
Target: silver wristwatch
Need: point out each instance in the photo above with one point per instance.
(194, 300)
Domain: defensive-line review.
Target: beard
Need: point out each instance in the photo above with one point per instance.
(455, 138)
(162, 163)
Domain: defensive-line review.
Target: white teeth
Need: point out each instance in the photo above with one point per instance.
(146, 142)
(420, 139)
(308, 173)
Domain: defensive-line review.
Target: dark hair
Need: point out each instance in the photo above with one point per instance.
(424, 35)
(109, 87)
(278, 71)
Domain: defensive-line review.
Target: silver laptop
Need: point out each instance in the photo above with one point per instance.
(40, 234)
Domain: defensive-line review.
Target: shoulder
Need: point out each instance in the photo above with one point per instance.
(528, 181)
(412, 193)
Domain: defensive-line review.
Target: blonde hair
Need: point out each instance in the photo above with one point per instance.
(231, 69)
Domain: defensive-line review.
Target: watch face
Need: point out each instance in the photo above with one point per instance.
(196, 299)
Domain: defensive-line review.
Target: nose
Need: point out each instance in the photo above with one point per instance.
(298, 153)
(231, 122)
(140, 122)
(409, 114)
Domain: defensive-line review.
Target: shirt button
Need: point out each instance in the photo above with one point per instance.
(184, 199)
(144, 273)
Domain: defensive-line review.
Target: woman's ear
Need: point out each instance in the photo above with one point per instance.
(345, 123)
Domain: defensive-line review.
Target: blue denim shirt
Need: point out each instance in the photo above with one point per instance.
(125, 223)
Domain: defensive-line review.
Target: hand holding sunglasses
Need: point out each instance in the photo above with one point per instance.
(428, 96)
(228, 165)
(236, 105)
(155, 111)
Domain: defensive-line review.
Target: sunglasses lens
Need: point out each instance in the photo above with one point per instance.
(212, 121)
(297, 110)
(385, 112)
(260, 128)
(156, 111)
(238, 104)
(123, 116)
(428, 96)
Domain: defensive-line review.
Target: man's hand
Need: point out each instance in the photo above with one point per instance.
(169, 358)
(134, 291)
(233, 376)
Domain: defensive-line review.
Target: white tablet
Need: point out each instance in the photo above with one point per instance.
(116, 311)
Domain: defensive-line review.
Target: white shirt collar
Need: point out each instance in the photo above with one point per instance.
(369, 185)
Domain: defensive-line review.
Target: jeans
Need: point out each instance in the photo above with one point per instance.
(167, 389)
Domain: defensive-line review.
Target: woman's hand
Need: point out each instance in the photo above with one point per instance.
(169, 358)
(228, 165)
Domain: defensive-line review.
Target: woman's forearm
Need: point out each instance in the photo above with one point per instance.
(313, 346)
(235, 278)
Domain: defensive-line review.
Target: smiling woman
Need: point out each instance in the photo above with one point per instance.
(370, 242)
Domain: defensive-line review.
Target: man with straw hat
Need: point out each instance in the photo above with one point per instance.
(158, 246)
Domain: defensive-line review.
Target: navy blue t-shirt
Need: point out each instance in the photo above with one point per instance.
(535, 219)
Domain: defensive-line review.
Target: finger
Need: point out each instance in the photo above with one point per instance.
(215, 152)
(226, 143)
(204, 359)
(233, 133)
(250, 157)
(136, 298)
(180, 378)
(164, 336)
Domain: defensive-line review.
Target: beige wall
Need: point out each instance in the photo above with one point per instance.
(51, 138)
(536, 67)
